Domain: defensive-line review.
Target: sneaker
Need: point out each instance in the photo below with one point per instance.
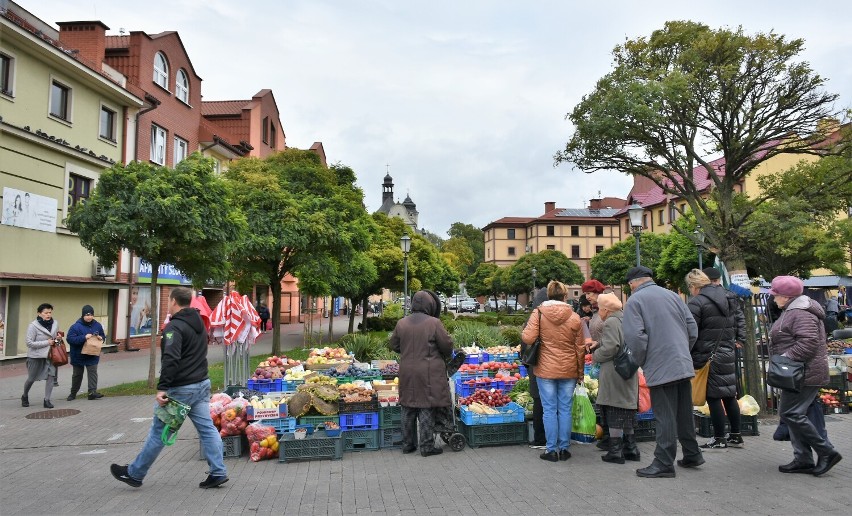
(538, 447)
(717, 443)
(735, 440)
(120, 474)
(213, 481)
(95, 395)
(71, 397)
(564, 455)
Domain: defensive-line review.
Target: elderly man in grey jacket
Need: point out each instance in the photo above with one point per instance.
(660, 332)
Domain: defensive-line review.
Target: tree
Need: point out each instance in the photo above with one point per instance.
(178, 216)
(459, 255)
(688, 92)
(549, 265)
(679, 255)
(486, 280)
(475, 240)
(434, 239)
(610, 266)
(303, 218)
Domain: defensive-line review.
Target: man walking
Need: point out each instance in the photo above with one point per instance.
(660, 332)
(183, 377)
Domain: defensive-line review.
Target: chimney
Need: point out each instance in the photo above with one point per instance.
(549, 206)
(595, 204)
(89, 37)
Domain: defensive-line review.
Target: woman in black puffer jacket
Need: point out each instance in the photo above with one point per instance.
(715, 314)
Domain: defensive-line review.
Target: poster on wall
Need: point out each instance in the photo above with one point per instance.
(3, 294)
(141, 317)
(28, 210)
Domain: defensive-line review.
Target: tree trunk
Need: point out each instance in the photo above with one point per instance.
(364, 314)
(155, 326)
(331, 320)
(275, 286)
(352, 315)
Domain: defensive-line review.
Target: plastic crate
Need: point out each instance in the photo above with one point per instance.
(476, 358)
(645, 430)
(291, 385)
(361, 440)
(390, 417)
(359, 421)
(523, 370)
(232, 446)
(281, 424)
(503, 357)
(704, 425)
(359, 406)
(265, 385)
(645, 416)
(318, 420)
(470, 375)
(492, 435)
(511, 413)
(319, 446)
(582, 438)
(391, 438)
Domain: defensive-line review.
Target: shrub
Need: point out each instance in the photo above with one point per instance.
(511, 334)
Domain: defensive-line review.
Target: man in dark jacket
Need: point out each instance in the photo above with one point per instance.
(183, 377)
(424, 346)
(660, 332)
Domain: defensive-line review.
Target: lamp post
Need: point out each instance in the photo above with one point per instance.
(405, 244)
(699, 243)
(532, 294)
(636, 212)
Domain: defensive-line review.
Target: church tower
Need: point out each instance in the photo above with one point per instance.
(387, 189)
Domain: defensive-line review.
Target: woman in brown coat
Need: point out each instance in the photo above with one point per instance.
(424, 346)
(560, 366)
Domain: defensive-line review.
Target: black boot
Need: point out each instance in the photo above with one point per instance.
(71, 397)
(616, 451)
(631, 451)
(603, 444)
(48, 404)
(25, 401)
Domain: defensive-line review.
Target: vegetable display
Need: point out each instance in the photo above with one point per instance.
(490, 398)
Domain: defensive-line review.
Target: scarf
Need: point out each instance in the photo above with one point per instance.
(47, 325)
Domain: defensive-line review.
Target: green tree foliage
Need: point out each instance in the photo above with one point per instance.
(680, 255)
(178, 216)
(549, 265)
(486, 280)
(475, 239)
(434, 239)
(610, 266)
(688, 92)
(459, 255)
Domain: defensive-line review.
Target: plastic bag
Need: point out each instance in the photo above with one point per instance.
(749, 406)
(703, 409)
(233, 418)
(263, 443)
(583, 418)
(595, 371)
(172, 414)
(644, 393)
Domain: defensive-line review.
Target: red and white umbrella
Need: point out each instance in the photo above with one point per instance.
(235, 322)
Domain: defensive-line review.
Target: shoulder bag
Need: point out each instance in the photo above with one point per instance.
(530, 356)
(785, 373)
(699, 381)
(624, 363)
(58, 355)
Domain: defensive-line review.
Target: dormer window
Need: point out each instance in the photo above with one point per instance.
(182, 86)
(161, 70)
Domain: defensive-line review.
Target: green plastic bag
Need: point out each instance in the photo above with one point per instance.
(583, 418)
(172, 414)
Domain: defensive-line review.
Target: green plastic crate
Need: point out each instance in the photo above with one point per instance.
(391, 438)
(318, 420)
(232, 446)
(361, 440)
(645, 430)
(704, 425)
(491, 435)
(390, 417)
(317, 446)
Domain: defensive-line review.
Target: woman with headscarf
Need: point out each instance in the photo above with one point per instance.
(799, 334)
(41, 333)
(85, 328)
(424, 346)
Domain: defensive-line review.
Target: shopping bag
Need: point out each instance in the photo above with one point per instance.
(172, 414)
(92, 346)
(583, 418)
(644, 393)
(749, 406)
(699, 385)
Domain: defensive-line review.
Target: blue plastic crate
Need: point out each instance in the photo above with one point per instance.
(511, 413)
(476, 358)
(503, 357)
(360, 440)
(582, 438)
(523, 370)
(265, 385)
(281, 425)
(291, 385)
(645, 416)
(359, 421)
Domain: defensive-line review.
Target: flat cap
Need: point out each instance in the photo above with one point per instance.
(638, 272)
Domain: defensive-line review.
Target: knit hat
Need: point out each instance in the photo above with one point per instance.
(609, 302)
(712, 273)
(638, 272)
(787, 286)
(592, 285)
(88, 310)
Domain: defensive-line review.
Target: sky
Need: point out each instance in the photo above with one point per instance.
(463, 102)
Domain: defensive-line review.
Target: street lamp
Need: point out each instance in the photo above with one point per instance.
(405, 244)
(636, 212)
(699, 244)
(533, 289)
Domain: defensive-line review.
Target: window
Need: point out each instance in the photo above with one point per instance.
(107, 125)
(182, 86)
(645, 221)
(575, 230)
(511, 251)
(161, 70)
(181, 150)
(272, 135)
(158, 145)
(575, 251)
(627, 225)
(661, 217)
(672, 213)
(7, 74)
(598, 230)
(551, 230)
(265, 129)
(598, 249)
(217, 166)
(78, 189)
(60, 100)
(489, 252)
(551, 247)
(510, 234)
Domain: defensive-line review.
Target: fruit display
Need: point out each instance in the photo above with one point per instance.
(298, 375)
(320, 379)
(389, 369)
(266, 403)
(263, 443)
(479, 408)
(837, 347)
(490, 398)
(354, 393)
(500, 350)
(352, 372)
(488, 366)
(831, 398)
(471, 350)
(273, 368)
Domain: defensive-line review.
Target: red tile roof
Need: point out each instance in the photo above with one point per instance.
(223, 107)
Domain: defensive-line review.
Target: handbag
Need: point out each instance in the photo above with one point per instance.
(785, 373)
(699, 381)
(58, 354)
(530, 355)
(92, 346)
(172, 414)
(624, 363)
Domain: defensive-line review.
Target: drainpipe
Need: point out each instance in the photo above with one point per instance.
(155, 103)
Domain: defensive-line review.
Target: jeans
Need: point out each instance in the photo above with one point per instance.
(557, 399)
(197, 396)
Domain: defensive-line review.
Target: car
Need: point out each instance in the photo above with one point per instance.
(468, 306)
(501, 305)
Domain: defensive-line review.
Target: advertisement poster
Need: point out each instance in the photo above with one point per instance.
(167, 275)
(27, 210)
(3, 295)
(140, 311)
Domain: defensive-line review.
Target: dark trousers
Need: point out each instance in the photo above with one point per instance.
(717, 415)
(413, 417)
(539, 438)
(77, 378)
(672, 404)
(804, 436)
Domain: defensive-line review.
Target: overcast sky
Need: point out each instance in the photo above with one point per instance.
(465, 99)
